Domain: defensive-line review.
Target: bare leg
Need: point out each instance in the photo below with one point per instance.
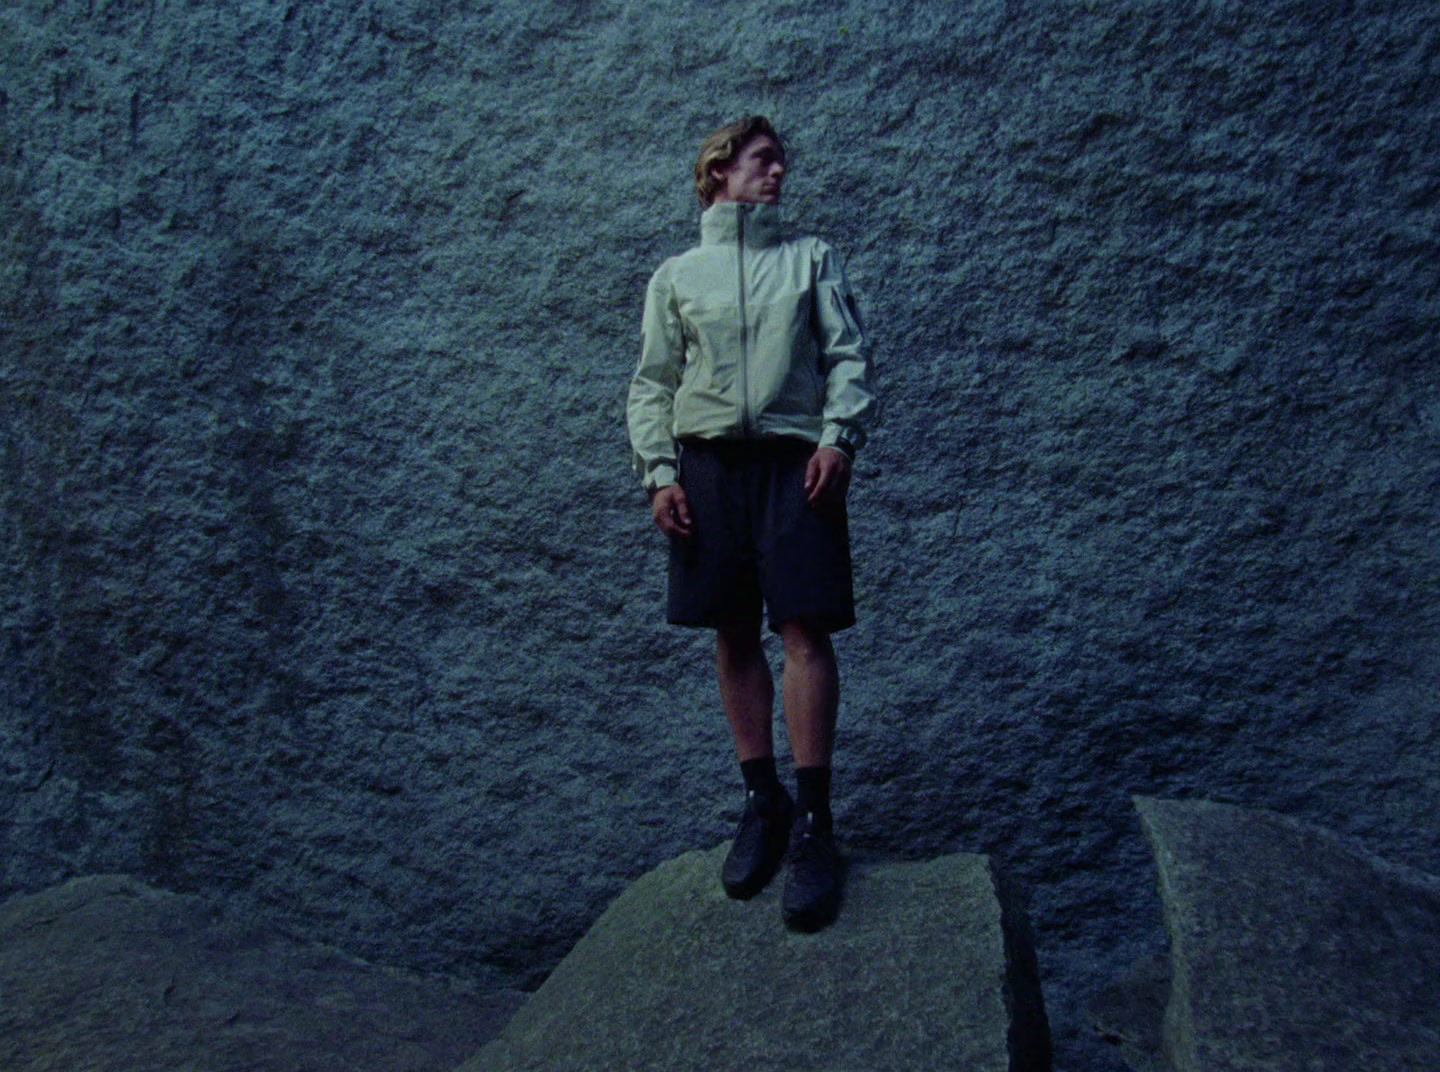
(746, 689)
(811, 691)
(812, 698)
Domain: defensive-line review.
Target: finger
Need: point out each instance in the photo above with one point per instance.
(840, 483)
(812, 474)
(677, 520)
(817, 489)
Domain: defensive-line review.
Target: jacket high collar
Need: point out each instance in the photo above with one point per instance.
(723, 223)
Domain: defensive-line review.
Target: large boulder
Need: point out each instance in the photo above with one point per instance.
(928, 967)
(1291, 947)
(106, 973)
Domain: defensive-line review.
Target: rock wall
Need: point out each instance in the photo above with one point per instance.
(326, 587)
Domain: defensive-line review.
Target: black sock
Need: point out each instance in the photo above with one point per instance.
(760, 777)
(813, 784)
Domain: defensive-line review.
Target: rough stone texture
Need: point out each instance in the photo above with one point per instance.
(676, 976)
(107, 974)
(1130, 1014)
(1292, 949)
(323, 582)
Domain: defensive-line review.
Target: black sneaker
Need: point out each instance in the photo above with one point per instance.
(759, 844)
(812, 876)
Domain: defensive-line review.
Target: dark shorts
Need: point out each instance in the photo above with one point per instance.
(757, 539)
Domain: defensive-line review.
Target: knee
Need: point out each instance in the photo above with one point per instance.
(805, 642)
(738, 645)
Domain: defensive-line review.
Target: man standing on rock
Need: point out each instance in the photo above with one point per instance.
(745, 415)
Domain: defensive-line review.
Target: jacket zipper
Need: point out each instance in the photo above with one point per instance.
(744, 328)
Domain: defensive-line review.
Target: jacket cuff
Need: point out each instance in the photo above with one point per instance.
(834, 436)
(662, 476)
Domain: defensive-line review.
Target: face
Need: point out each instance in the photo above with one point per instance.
(755, 175)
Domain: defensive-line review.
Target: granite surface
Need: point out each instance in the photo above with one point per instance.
(106, 974)
(1290, 948)
(914, 974)
(325, 587)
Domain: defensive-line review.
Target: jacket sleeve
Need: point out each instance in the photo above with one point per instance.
(849, 400)
(650, 411)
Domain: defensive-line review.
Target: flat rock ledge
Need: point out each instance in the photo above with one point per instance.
(928, 967)
(1290, 948)
(106, 973)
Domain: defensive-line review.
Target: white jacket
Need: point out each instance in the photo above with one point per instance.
(747, 335)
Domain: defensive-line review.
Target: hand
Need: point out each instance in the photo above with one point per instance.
(827, 477)
(671, 511)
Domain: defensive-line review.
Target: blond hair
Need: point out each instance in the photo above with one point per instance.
(720, 149)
